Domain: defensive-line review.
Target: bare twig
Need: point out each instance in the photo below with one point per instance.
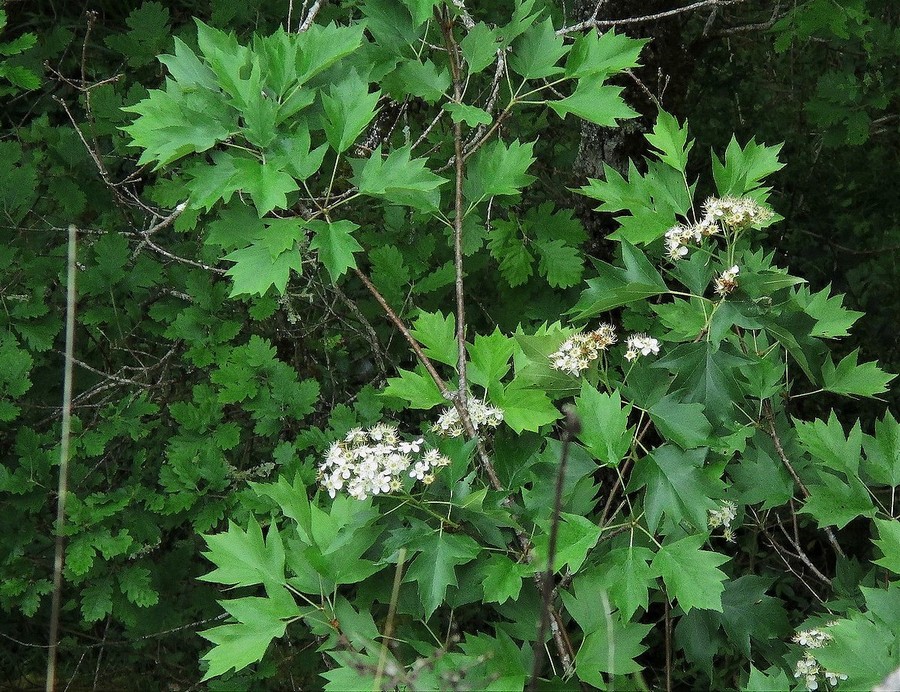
(594, 23)
(310, 16)
(773, 433)
(573, 425)
(453, 53)
(63, 486)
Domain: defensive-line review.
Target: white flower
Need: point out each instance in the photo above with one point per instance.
(373, 462)
(578, 351)
(727, 282)
(736, 212)
(480, 414)
(641, 345)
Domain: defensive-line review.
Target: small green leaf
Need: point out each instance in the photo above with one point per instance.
(267, 185)
(470, 115)
(690, 573)
(595, 102)
(422, 79)
(480, 46)
(626, 575)
(524, 408)
(670, 141)
(501, 578)
(684, 424)
(434, 568)
(490, 358)
(498, 170)
(677, 485)
(537, 51)
(398, 179)
(243, 558)
(604, 424)
(882, 462)
(438, 334)
(336, 245)
(601, 55)
(889, 543)
(866, 379)
(418, 389)
(835, 503)
(349, 108)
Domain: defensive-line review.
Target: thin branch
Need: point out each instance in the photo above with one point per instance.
(63, 485)
(573, 425)
(310, 16)
(594, 23)
(453, 53)
(773, 433)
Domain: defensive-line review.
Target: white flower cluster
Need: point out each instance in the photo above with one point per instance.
(723, 517)
(373, 461)
(736, 213)
(641, 345)
(579, 351)
(808, 667)
(680, 236)
(481, 415)
(727, 282)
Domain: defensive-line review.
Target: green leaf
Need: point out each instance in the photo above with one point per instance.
(349, 108)
(398, 179)
(677, 485)
(615, 286)
(708, 376)
(827, 444)
(562, 264)
(507, 246)
(744, 167)
(96, 600)
(537, 51)
(137, 586)
(835, 503)
(335, 245)
(498, 170)
(438, 335)
(470, 115)
(266, 262)
(170, 126)
(577, 536)
(422, 79)
(267, 185)
(747, 612)
(690, 573)
(626, 575)
(595, 102)
(479, 47)
(434, 568)
(501, 578)
(611, 649)
(243, 558)
(684, 424)
(490, 358)
(866, 379)
(861, 649)
(321, 46)
(832, 318)
(418, 389)
(773, 679)
(421, 10)
(604, 424)
(187, 69)
(601, 55)
(389, 273)
(524, 408)
(882, 462)
(889, 543)
(670, 141)
(259, 621)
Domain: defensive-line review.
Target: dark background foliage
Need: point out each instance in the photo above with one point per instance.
(168, 429)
